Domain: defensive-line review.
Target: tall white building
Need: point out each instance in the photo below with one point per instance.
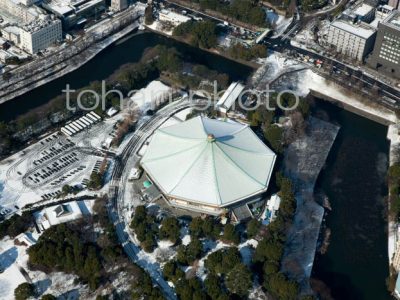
(31, 28)
(353, 40)
(40, 35)
(21, 9)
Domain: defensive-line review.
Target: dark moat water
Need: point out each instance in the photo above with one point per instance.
(108, 61)
(356, 264)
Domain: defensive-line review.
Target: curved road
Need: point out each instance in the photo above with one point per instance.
(117, 191)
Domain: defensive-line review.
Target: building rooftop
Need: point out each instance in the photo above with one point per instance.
(360, 29)
(209, 161)
(64, 7)
(175, 16)
(363, 10)
(230, 95)
(39, 24)
(393, 19)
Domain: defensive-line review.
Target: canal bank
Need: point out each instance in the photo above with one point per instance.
(110, 59)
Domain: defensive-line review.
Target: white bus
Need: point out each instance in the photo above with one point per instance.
(75, 126)
(66, 131)
(81, 123)
(89, 116)
(95, 115)
(87, 121)
(87, 124)
(69, 128)
(72, 129)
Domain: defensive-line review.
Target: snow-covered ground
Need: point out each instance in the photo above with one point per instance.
(157, 26)
(17, 189)
(274, 66)
(312, 81)
(14, 258)
(280, 23)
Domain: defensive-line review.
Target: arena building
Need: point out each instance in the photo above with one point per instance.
(208, 166)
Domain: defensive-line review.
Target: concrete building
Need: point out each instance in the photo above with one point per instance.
(381, 13)
(30, 27)
(229, 97)
(386, 53)
(40, 34)
(12, 34)
(207, 165)
(118, 5)
(355, 40)
(172, 18)
(74, 12)
(361, 12)
(24, 11)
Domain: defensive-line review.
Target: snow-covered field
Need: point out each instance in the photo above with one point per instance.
(14, 260)
(17, 171)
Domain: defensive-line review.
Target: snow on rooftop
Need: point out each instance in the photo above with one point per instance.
(175, 16)
(363, 9)
(62, 213)
(394, 18)
(230, 95)
(364, 32)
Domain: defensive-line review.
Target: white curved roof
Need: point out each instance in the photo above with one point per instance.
(209, 161)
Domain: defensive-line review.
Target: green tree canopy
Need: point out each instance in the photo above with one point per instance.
(253, 226)
(280, 287)
(238, 280)
(273, 135)
(24, 291)
(170, 229)
(230, 234)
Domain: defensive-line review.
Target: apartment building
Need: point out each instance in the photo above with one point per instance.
(386, 53)
(355, 40)
(40, 34)
(30, 27)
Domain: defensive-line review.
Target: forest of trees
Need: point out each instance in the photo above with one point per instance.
(239, 51)
(70, 248)
(309, 5)
(61, 248)
(265, 119)
(202, 34)
(246, 11)
(16, 224)
(268, 254)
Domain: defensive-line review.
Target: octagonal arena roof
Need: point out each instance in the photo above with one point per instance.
(209, 161)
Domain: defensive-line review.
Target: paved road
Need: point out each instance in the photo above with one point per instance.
(30, 73)
(118, 193)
